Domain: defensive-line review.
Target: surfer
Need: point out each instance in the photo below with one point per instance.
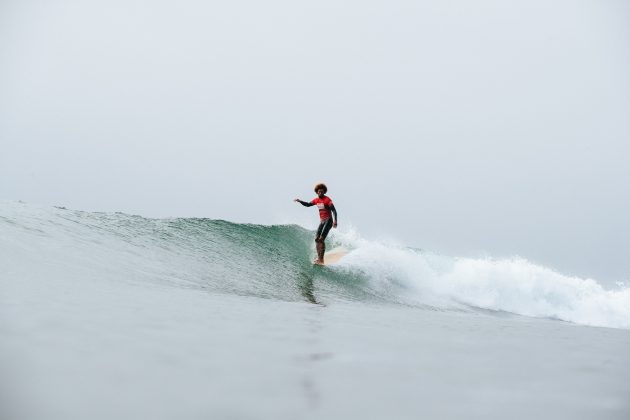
(327, 218)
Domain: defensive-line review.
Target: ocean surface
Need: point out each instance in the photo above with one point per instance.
(110, 315)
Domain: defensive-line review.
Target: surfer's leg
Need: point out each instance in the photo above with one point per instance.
(319, 241)
(325, 226)
(321, 248)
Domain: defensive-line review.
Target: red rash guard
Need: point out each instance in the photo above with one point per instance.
(323, 205)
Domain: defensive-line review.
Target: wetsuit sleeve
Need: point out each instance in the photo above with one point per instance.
(304, 203)
(334, 212)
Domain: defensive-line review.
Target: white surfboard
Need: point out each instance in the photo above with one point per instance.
(334, 255)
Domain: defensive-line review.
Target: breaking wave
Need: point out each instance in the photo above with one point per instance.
(273, 262)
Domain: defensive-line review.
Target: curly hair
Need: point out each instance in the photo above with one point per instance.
(321, 186)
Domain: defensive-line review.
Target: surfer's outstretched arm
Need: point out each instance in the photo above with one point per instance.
(304, 203)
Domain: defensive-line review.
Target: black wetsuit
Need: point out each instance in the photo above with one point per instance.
(325, 223)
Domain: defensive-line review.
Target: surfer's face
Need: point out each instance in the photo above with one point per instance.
(320, 192)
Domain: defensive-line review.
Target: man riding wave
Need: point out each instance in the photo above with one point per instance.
(327, 218)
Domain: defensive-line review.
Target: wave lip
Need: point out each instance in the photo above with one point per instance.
(516, 285)
(512, 285)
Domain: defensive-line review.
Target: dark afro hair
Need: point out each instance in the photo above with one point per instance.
(321, 186)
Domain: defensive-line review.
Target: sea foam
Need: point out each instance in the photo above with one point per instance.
(513, 285)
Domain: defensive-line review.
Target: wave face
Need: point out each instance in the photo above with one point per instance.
(274, 262)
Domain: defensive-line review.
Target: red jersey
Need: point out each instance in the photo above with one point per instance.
(323, 205)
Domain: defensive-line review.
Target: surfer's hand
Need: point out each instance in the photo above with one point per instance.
(335, 225)
(297, 200)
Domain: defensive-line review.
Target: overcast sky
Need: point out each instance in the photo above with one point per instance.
(463, 127)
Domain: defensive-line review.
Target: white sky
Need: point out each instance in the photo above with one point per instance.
(462, 127)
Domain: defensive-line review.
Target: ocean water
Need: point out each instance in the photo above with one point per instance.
(118, 316)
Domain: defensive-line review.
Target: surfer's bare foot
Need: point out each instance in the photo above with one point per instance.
(318, 262)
